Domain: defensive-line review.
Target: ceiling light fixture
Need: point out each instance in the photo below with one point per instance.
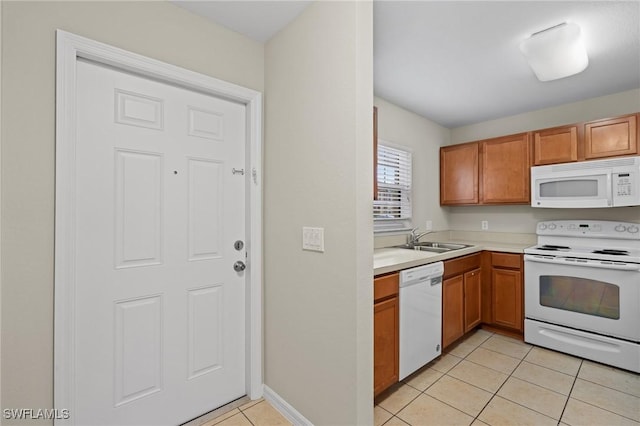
(556, 52)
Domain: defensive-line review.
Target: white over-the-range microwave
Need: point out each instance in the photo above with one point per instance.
(587, 184)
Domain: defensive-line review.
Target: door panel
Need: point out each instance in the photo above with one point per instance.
(160, 312)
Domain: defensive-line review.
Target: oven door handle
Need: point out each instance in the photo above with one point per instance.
(588, 263)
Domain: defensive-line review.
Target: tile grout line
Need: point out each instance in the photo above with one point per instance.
(608, 387)
(248, 419)
(575, 379)
(602, 408)
(498, 390)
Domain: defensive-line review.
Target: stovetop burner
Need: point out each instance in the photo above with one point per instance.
(551, 247)
(613, 252)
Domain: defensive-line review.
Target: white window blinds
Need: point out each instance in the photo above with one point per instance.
(394, 185)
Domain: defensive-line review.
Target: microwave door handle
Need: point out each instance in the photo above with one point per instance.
(610, 189)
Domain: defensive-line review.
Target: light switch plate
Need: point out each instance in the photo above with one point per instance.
(313, 239)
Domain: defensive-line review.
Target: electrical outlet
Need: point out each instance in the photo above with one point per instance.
(429, 226)
(485, 225)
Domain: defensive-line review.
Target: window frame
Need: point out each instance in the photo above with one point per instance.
(404, 178)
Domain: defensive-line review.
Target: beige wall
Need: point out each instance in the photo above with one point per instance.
(1, 203)
(524, 218)
(155, 29)
(424, 138)
(590, 109)
(318, 306)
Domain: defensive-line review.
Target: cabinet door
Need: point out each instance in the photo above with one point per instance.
(612, 137)
(459, 174)
(385, 344)
(552, 146)
(452, 309)
(507, 298)
(504, 170)
(472, 299)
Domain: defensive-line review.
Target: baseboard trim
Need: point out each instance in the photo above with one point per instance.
(285, 408)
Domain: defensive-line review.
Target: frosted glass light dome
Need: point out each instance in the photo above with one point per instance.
(556, 52)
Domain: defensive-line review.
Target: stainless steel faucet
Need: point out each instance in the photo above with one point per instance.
(414, 237)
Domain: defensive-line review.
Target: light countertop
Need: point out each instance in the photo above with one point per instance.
(393, 259)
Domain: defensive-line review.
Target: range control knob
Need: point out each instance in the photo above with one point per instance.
(542, 226)
(633, 229)
(620, 228)
(552, 226)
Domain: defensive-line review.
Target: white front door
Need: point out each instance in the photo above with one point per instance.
(159, 324)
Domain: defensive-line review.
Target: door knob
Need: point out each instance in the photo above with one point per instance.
(239, 266)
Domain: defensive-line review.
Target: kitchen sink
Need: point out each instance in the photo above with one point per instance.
(433, 246)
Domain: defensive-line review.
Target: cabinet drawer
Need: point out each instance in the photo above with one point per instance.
(505, 260)
(385, 286)
(461, 265)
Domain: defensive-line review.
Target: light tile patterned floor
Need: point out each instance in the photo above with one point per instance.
(489, 379)
(257, 413)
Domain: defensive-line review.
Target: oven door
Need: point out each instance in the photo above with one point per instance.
(584, 294)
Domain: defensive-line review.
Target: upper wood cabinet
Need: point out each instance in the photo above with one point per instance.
(557, 145)
(459, 174)
(611, 137)
(504, 168)
(492, 171)
(497, 171)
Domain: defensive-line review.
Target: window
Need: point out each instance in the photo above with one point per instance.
(392, 209)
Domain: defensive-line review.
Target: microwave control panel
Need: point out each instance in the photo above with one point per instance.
(622, 184)
(625, 188)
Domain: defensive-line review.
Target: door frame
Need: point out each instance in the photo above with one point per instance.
(70, 47)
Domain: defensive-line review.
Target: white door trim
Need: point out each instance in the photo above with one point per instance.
(70, 47)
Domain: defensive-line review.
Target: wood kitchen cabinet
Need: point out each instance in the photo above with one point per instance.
(452, 309)
(459, 174)
(461, 297)
(507, 291)
(491, 171)
(611, 137)
(386, 332)
(557, 145)
(504, 167)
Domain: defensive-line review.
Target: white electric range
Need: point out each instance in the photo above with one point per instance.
(582, 290)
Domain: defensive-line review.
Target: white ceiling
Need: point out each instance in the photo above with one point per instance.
(458, 62)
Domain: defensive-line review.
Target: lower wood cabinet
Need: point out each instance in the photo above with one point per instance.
(452, 310)
(484, 287)
(386, 332)
(461, 297)
(507, 291)
(472, 299)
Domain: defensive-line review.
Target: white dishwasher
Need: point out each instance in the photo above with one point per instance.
(420, 316)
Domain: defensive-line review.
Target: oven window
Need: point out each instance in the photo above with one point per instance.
(569, 188)
(582, 295)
